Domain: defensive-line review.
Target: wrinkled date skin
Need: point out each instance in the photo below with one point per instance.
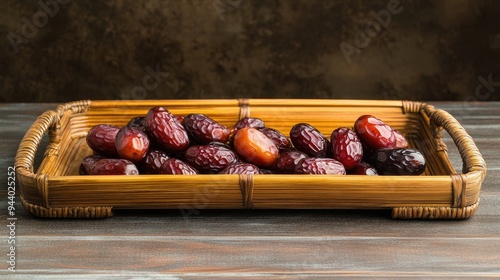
(153, 161)
(287, 161)
(374, 133)
(326, 166)
(249, 122)
(241, 168)
(210, 158)
(113, 166)
(177, 166)
(101, 139)
(309, 140)
(346, 147)
(132, 143)
(163, 143)
(204, 130)
(166, 130)
(255, 147)
(398, 161)
(280, 140)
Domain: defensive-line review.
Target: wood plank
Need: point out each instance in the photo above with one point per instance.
(282, 255)
(260, 243)
(375, 223)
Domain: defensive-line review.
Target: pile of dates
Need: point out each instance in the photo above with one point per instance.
(163, 143)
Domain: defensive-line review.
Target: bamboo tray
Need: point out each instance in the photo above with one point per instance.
(56, 189)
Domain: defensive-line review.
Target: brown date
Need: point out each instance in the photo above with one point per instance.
(153, 161)
(255, 147)
(346, 147)
(132, 143)
(166, 130)
(210, 158)
(113, 166)
(241, 168)
(309, 140)
(398, 161)
(287, 161)
(280, 140)
(204, 130)
(374, 133)
(101, 139)
(177, 166)
(326, 166)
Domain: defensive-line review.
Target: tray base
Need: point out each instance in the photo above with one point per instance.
(431, 213)
(67, 212)
(428, 213)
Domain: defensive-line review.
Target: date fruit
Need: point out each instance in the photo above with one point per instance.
(287, 161)
(153, 161)
(166, 130)
(87, 164)
(249, 122)
(346, 147)
(177, 166)
(326, 166)
(241, 168)
(210, 158)
(138, 122)
(204, 130)
(280, 140)
(114, 166)
(374, 133)
(363, 168)
(255, 147)
(101, 139)
(132, 143)
(309, 140)
(398, 161)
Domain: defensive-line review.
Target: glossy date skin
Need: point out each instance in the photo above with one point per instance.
(280, 140)
(255, 147)
(398, 161)
(210, 158)
(346, 147)
(132, 143)
(166, 130)
(286, 161)
(153, 161)
(101, 139)
(241, 168)
(177, 167)
(113, 166)
(374, 133)
(309, 140)
(363, 168)
(204, 130)
(164, 143)
(325, 166)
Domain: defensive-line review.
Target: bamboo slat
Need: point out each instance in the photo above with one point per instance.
(56, 190)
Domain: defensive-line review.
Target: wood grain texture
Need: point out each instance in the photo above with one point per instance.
(259, 243)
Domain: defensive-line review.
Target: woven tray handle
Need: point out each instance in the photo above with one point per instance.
(472, 159)
(25, 156)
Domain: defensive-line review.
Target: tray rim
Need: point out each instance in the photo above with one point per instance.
(50, 121)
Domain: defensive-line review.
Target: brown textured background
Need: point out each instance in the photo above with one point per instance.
(432, 50)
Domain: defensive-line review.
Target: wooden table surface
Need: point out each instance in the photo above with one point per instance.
(258, 243)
